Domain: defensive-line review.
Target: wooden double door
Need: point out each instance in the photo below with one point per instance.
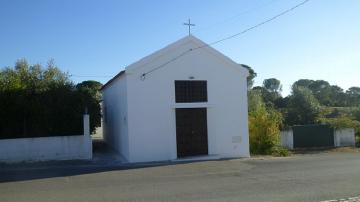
(191, 132)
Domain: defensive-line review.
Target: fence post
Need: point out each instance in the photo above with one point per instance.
(86, 124)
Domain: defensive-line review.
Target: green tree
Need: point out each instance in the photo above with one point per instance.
(269, 98)
(255, 100)
(356, 114)
(353, 91)
(303, 108)
(93, 87)
(37, 101)
(91, 97)
(338, 97)
(32, 77)
(303, 83)
(272, 85)
(353, 96)
(326, 94)
(251, 77)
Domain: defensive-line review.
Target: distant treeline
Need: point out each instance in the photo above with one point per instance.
(310, 102)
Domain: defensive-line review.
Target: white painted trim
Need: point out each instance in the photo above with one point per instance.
(192, 105)
(173, 142)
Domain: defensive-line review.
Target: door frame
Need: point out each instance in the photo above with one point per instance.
(173, 108)
(175, 121)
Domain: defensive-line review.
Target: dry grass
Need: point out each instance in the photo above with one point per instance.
(326, 150)
(345, 149)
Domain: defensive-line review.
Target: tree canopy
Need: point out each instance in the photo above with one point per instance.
(37, 101)
(251, 77)
(272, 85)
(32, 77)
(303, 108)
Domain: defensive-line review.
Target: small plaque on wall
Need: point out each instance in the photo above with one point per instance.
(236, 139)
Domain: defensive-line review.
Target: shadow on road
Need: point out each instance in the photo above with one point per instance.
(104, 160)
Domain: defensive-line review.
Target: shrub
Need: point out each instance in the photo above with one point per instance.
(264, 124)
(341, 122)
(279, 151)
(356, 114)
(344, 122)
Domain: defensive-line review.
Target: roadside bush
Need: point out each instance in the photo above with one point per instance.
(264, 126)
(279, 151)
(356, 114)
(341, 122)
(344, 122)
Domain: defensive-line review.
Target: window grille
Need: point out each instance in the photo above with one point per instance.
(190, 91)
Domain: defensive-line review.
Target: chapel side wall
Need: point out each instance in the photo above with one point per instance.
(115, 116)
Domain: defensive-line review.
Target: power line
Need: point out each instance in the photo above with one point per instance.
(261, 23)
(236, 16)
(164, 64)
(226, 38)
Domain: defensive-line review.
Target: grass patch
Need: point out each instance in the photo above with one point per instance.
(280, 151)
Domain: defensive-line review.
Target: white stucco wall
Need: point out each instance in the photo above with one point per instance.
(115, 128)
(151, 105)
(344, 137)
(287, 139)
(48, 148)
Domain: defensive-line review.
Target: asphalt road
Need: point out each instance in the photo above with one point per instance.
(315, 177)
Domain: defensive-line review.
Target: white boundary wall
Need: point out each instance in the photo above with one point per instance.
(48, 148)
(344, 137)
(287, 139)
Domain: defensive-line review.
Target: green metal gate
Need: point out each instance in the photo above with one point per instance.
(306, 136)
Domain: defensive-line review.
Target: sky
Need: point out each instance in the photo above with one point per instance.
(94, 40)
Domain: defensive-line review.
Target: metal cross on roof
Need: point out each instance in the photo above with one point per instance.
(189, 24)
